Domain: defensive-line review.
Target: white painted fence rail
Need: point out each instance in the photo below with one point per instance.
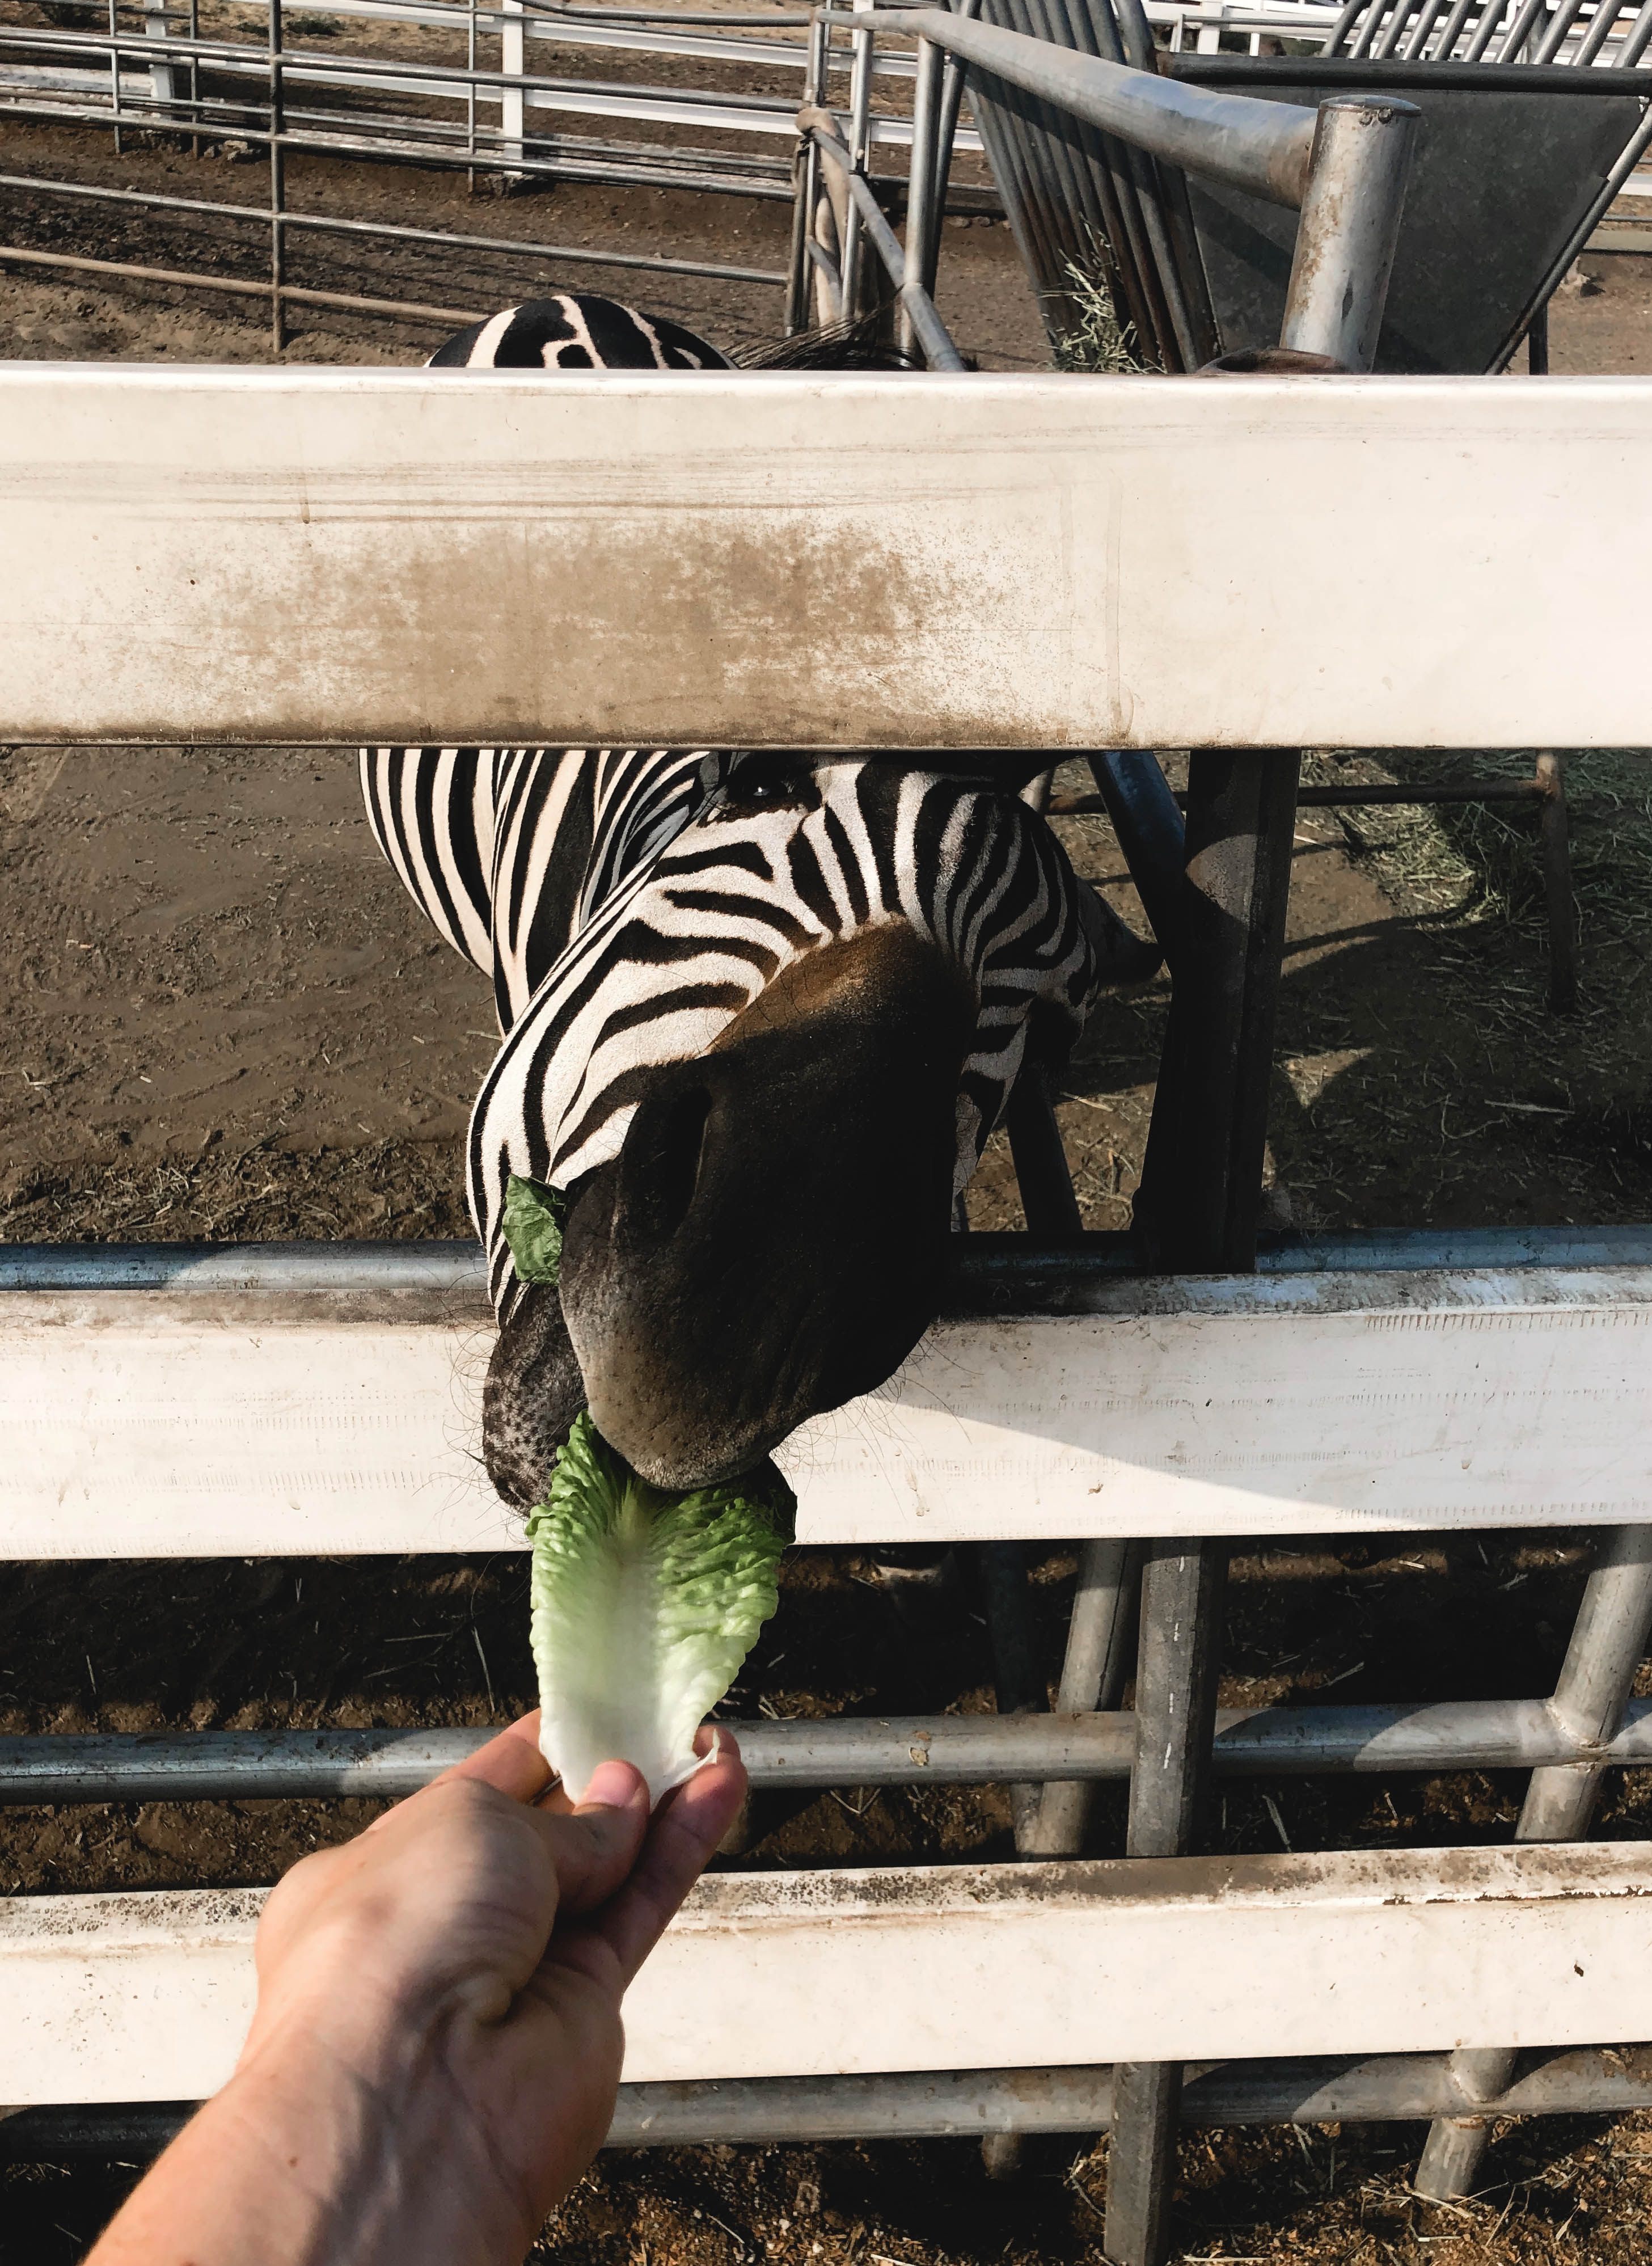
(759, 559)
(196, 1423)
(146, 1997)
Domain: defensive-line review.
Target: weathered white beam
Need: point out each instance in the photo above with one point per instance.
(146, 1997)
(911, 560)
(217, 1421)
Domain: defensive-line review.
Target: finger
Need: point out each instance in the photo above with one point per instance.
(595, 1846)
(512, 1762)
(686, 1829)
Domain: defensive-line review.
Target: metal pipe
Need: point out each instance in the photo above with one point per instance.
(859, 114)
(1230, 138)
(1609, 1639)
(807, 187)
(1136, 795)
(1319, 798)
(940, 352)
(1595, 38)
(1350, 228)
(1175, 1703)
(760, 180)
(987, 1274)
(1559, 28)
(277, 184)
(951, 2104)
(923, 203)
(951, 102)
(1092, 1673)
(1083, 1747)
(1453, 30)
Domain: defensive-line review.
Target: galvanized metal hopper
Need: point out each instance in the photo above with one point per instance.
(1515, 163)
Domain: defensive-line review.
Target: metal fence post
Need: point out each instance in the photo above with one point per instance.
(923, 219)
(277, 183)
(1092, 1675)
(512, 99)
(1349, 226)
(1200, 1192)
(852, 231)
(799, 289)
(163, 76)
(1175, 1714)
(1609, 1639)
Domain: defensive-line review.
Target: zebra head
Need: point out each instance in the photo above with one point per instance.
(761, 1072)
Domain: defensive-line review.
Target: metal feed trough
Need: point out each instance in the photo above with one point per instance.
(1077, 565)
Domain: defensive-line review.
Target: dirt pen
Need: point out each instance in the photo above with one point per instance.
(248, 420)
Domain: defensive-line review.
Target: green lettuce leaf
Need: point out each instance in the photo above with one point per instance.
(645, 1604)
(533, 1220)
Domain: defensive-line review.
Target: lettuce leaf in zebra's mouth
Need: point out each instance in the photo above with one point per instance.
(645, 1602)
(531, 1223)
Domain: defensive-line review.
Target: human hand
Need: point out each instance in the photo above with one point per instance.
(462, 1963)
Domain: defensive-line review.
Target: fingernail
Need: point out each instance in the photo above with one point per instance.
(615, 1786)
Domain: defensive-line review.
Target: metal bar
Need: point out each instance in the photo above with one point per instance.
(1345, 22)
(759, 178)
(1202, 1178)
(860, 115)
(922, 207)
(1595, 38)
(1453, 30)
(1428, 16)
(1635, 45)
(1136, 795)
(393, 232)
(1222, 138)
(952, 99)
(1537, 344)
(950, 2104)
(1520, 31)
(987, 1274)
(806, 187)
(1081, 1746)
(1560, 29)
(940, 352)
(1609, 1640)
(1555, 857)
(1092, 1673)
(114, 76)
(1485, 31)
(277, 183)
(1175, 1710)
(408, 311)
(1317, 798)
(1350, 228)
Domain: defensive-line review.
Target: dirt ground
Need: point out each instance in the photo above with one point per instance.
(221, 1018)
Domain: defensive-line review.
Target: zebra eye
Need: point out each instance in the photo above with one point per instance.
(771, 787)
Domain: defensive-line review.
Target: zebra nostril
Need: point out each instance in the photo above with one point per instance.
(660, 1166)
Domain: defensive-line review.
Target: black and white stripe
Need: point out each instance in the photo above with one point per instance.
(635, 903)
(576, 330)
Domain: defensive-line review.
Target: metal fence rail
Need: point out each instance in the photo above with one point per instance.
(163, 76)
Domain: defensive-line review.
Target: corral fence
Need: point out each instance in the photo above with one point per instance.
(1078, 566)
